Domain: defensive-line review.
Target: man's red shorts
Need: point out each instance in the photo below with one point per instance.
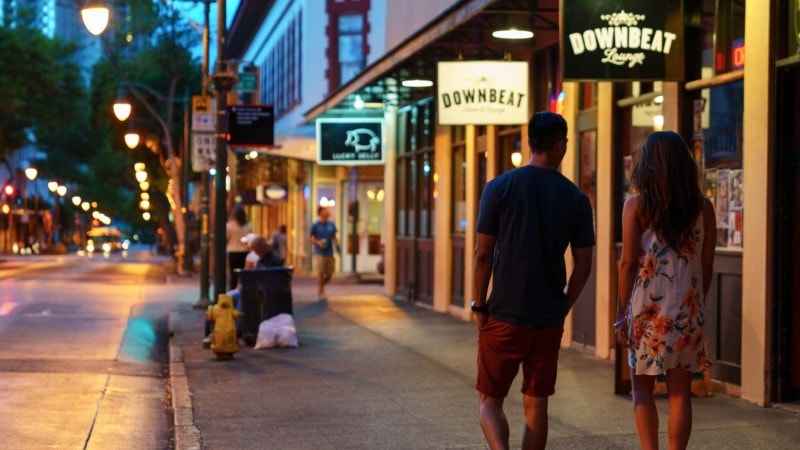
(503, 346)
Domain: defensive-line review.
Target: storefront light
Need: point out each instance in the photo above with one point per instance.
(253, 154)
(512, 33)
(417, 83)
(658, 122)
(380, 195)
(359, 103)
(516, 159)
(659, 100)
(371, 194)
(146, 216)
(138, 167)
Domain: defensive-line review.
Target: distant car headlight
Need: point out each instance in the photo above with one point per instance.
(106, 247)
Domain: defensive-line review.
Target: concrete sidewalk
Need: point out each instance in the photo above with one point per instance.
(374, 373)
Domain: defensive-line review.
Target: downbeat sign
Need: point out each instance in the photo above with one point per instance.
(622, 40)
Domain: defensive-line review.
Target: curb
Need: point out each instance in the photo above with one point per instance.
(187, 436)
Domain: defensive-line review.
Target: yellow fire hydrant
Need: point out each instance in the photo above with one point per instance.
(223, 339)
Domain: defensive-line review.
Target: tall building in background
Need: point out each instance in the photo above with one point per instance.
(59, 20)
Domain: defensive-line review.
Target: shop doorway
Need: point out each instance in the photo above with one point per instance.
(786, 313)
(583, 314)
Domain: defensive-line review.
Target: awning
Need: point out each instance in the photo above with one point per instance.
(461, 32)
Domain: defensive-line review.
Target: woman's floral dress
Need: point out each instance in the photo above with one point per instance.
(666, 307)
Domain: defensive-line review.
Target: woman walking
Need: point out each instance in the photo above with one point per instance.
(668, 239)
(235, 230)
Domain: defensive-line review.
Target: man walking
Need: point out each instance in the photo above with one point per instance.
(527, 218)
(323, 239)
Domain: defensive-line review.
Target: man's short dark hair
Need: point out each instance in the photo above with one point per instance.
(545, 130)
(320, 209)
(258, 241)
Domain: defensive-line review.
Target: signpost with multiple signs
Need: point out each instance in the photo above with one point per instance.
(350, 142)
(622, 40)
(204, 141)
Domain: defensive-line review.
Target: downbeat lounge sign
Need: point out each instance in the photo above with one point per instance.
(482, 92)
(622, 40)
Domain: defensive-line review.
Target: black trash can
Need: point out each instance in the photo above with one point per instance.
(264, 293)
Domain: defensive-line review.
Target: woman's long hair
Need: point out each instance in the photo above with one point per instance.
(238, 214)
(670, 198)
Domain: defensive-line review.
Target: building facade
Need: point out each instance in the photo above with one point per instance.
(735, 108)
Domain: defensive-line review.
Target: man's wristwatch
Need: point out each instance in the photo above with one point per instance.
(482, 308)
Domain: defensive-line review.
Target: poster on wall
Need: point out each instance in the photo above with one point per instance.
(482, 92)
(622, 40)
(350, 142)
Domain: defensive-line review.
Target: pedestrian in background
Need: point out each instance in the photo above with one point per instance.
(279, 241)
(323, 239)
(668, 239)
(236, 228)
(528, 216)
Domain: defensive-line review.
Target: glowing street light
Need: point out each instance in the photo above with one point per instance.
(122, 107)
(141, 176)
(76, 200)
(31, 173)
(61, 190)
(131, 139)
(85, 206)
(95, 16)
(52, 186)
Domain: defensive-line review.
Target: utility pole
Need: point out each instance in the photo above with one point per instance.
(204, 301)
(224, 81)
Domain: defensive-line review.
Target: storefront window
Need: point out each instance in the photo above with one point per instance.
(415, 171)
(792, 28)
(721, 120)
(510, 148)
(729, 52)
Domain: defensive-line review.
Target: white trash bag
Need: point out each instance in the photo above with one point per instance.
(278, 331)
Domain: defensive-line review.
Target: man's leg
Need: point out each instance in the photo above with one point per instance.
(645, 413)
(493, 422)
(535, 436)
(679, 426)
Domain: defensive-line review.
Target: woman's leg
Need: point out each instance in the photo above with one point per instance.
(644, 410)
(679, 388)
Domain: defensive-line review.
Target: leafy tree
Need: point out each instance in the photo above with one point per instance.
(149, 57)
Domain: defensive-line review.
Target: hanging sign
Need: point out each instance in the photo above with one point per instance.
(251, 125)
(482, 92)
(349, 142)
(622, 40)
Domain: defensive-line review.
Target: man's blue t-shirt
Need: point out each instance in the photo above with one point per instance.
(323, 231)
(535, 213)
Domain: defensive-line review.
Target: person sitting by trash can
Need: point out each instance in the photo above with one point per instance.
(266, 257)
(266, 254)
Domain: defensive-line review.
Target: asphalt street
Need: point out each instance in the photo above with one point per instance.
(83, 354)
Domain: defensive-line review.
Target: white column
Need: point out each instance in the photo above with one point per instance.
(605, 249)
(389, 233)
(569, 167)
(472, 217)
(758, 156)
(442, 245)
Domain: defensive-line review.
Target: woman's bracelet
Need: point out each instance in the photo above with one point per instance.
(620, 322)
